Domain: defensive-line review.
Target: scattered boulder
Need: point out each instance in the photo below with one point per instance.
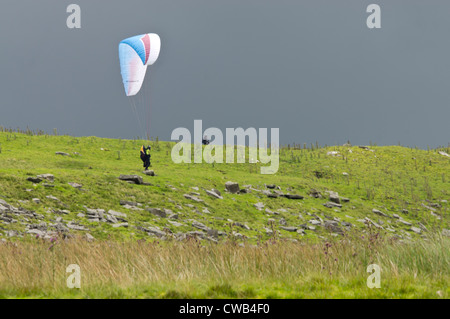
(259, 206)
(117, 214)
(333, 226)
(75, 185)
(62, 154)
(368, 220)
(194, 198)
(293, 196)
(76, 226)
(149, 173)
(34, 179)
(136, 179)
(213, 194)
(157, 212)
(125, 202)
(416, 230)
(199, 225)
(289, 228)
(379, 212)
(331, 205)
(232, 187)
(315, 193)
(334, 197)
(48, 177)
(36, 200)
(404, 222)
(155, 231)
(52, 198)
(446, 232)
(443, 153)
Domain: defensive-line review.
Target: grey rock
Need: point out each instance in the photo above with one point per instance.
(416, 230)
(111, 219)
(36, 200)
(34, 179)
(76, 227)
(132, 178)
(405, 222)
(259, 206)
(48, 177)
(62, 154)
(332, 205)
(125, 202)
(315, 193)
(149, 173)
(379, 212)
(176, 224)
(117, 214)
(36, 232)
(232, 187)
(155, 231)
(293, 196)
(199, 225)
(214, 233)
(157, 212)
(446, 232)
(334, 197)
(333, 226)
(368, 220)
(346, 224)
(213, 194)
(289, 228)
(75, 185)
(194, 198)
(241, 225)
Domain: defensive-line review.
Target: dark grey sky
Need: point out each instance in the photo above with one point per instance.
(311, 68)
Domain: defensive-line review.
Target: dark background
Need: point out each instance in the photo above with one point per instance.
(311, 68)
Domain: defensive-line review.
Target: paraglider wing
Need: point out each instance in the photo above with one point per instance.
(135, 54)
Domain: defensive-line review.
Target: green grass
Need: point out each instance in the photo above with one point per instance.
(279, 269)
(388, 178)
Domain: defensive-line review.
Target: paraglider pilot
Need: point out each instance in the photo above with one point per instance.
(205, 140)
(145, 156)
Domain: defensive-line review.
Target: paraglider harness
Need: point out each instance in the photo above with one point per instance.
(205, 140)
(145, 156)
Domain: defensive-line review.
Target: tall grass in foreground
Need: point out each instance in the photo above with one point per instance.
(274, 269)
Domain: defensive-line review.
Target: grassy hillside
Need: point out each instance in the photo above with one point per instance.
(413, 184)
(395, 193)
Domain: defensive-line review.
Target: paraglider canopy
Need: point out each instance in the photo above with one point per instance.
(135, 54)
